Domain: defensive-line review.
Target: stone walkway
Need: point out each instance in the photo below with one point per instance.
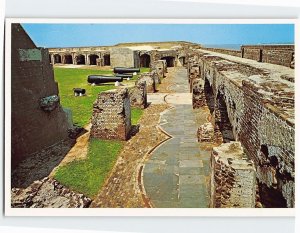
(177, 172)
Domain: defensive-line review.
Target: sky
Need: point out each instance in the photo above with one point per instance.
(73, 35)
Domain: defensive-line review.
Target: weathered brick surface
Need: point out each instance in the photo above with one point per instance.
(150, 81)
(249, 99)
(206, 132)
(233, 182)
(111, 115)
(47, 193)
(138, 95)
(160, 67)
(32, 79)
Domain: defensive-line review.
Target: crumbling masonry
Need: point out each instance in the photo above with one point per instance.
(252, 103)
(111, 115)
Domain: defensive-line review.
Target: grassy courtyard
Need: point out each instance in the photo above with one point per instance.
(87, 176)
(68, 79)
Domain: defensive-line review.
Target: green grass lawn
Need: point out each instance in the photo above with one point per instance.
(87, 176)
(81, 107)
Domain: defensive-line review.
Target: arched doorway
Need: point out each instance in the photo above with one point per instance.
(182, 61)
(145, 60)
(222, 121)
(170, 61)
(68, 59)
(93, 59)
(106, 60)
(57, 58)
(80, 59)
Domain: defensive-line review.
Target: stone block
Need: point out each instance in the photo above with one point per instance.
(112, 115)
(160, 67)
(138, 95)
(150, 82)
(205, 133)
(233, 183)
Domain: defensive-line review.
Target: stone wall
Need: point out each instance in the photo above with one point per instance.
(138, 95)
(122, 57)
(231, 52)
(247, 100)
(38, 120)
(275, 54)
(233, 182)
(112, 115)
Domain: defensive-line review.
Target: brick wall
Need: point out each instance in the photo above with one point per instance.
(254, 101)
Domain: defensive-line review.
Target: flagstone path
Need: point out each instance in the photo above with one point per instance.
(177, 173)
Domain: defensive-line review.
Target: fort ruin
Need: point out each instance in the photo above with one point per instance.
(248, 95)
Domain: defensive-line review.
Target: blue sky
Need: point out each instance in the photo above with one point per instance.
(68, 35)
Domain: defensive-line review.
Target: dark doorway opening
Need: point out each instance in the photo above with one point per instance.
(80, 60)
(170, 61)
(93, 59)
(68, 59)
(145, 60)
(182, 61)
(209, 96)
(106, 60)
(222, 119)
(57, 58)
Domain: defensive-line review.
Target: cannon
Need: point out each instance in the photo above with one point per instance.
(124, 75)
(79, 91)
(97, 79)
(122, 70)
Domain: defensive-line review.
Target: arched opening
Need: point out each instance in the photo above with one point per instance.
(145, 60)
(209, 96)
(106, 60)
(50, 61)
(68, 59)
(57, 58)
(93, 59)
(182, 61)
(222, 120)
(170, 61)
(80, 60)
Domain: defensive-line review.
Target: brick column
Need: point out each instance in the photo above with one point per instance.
(112, 115)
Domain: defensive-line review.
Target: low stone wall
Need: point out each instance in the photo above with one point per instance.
(233, 183)
(231, 52)
(112, 115)
(150, 81)
(138, 95)
(274, 54)
(47, 193)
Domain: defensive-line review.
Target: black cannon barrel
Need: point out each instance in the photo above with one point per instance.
(124, 75)
(122, 70)
(103, 79)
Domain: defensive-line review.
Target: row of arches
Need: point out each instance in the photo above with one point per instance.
(79, 59)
